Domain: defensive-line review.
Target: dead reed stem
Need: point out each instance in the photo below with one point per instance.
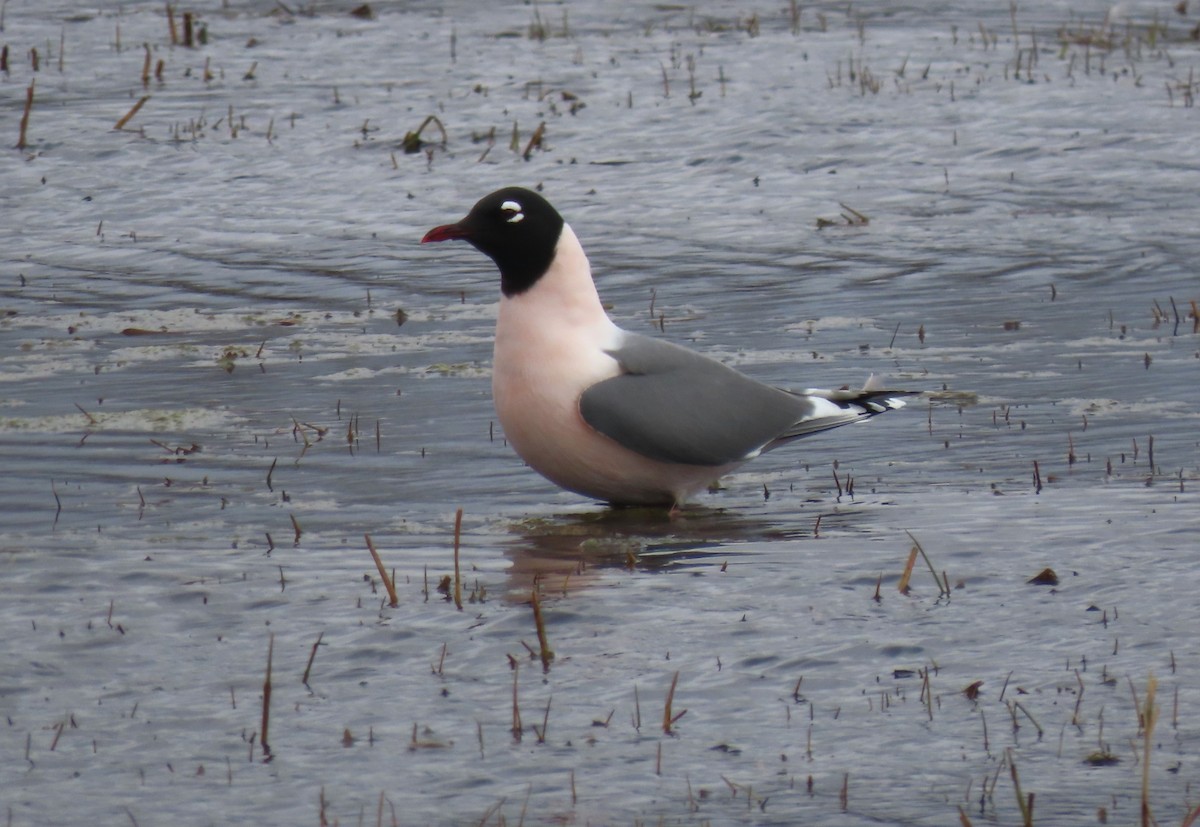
(393, 601)
(902, 586)
(25, 116)
(546, 653)
(311, 657)
(1149, 717)
(943, 583)
(457, 572)
(541, 733)
(266, 705)
(668, 719)
(1078, 700)
(1026, 806)
(1032, 720)
(535, 140)
(516, 712)
(128, 116)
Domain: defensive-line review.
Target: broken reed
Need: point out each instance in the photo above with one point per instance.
(1023, 802)
(942, 581)
(21, 142)
(266, 704)
(393, 601)
(1149, 717)
(312, 655)
(128, 116)
(517, 728)
(189, 28)
(669, 719)
(457, 572)
(545, 653)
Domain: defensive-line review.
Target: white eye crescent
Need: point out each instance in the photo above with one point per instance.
(514, 208)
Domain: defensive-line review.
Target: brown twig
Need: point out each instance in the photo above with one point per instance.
(25, 116)
(128, 116)
(266, 704)
(457, 573)
(393, 601)
(546, 653)
(668, 719)
(311, 657)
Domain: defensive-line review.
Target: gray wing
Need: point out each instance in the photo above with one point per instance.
(674, 405)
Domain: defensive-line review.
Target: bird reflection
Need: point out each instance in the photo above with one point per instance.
(566, 553)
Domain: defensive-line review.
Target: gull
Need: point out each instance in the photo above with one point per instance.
(614, 415)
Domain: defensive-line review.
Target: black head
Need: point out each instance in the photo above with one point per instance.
(516, 228)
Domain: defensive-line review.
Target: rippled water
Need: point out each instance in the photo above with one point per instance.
(207, 399)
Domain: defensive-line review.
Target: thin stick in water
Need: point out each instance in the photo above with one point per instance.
(457, 571)
(546, 653)
(393, 601)
(266, 705)
(128, 116)
(311, 657)
(25, 116)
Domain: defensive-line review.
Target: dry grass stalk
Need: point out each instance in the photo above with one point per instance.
(535, 141)
(516, 708)
(1025, 804)
(393, 601)
(266, 704)
(457, 572)
(128, 116)
(943, 582)
(25, 116)
(927, 692)
(1149, 716)
(902, 587)
(669, 719)
(541, 733)
(545, 653)
(1078, 700)
(1032, 720)
(311, 657)
(412, 142)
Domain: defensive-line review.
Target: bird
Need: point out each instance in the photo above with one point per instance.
(613, 415)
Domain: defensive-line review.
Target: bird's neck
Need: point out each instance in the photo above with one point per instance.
(563, 298)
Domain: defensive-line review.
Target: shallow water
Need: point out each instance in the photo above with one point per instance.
(206, 401)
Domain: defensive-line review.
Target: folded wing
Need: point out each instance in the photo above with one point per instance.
(674, 405)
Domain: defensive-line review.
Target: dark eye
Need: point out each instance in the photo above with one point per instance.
(512, 213)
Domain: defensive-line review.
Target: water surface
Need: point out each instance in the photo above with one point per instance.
(207, 399)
